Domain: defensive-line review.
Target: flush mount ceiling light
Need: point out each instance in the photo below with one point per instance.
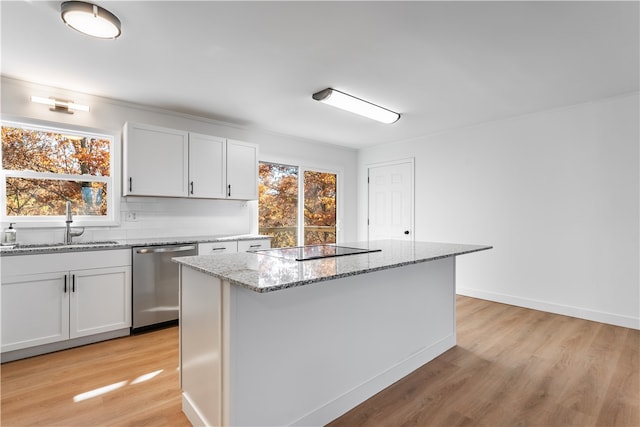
(59, 105)
(90, 19)
(356, 105)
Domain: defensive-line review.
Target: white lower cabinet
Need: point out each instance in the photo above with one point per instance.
(35, 310)
(232, 246)
(213, 248)
(253, 245)
(62, 303)
(100, 301)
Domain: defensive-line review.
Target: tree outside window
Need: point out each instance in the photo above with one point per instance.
(44, 168)
(319, 207)
(278, 203)
(282, 198)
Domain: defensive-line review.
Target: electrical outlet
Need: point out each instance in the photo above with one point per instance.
(131, 217)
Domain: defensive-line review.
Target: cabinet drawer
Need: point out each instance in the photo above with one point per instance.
(253, 245)
(213, 248)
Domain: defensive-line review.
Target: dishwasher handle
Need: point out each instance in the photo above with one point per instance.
(165, 249)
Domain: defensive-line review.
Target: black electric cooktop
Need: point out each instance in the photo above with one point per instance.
(304, 253)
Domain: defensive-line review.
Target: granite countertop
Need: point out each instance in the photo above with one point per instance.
(77, 246)
(265, 273)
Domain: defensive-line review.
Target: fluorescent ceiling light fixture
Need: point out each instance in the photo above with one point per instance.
(356, 105)
(58, 105)
(90, 19)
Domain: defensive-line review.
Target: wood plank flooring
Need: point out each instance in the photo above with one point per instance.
(511, 367)
(517, 367)
(40, 391)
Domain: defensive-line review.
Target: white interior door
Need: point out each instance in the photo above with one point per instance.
(391, 200)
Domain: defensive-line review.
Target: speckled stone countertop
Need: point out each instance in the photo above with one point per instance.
(264, 273)
(44, 248)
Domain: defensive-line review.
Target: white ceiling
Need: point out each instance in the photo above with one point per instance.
(442, 65)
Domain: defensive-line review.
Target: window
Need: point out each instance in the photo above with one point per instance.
(43, 168)
(320, 189)
(295, 212)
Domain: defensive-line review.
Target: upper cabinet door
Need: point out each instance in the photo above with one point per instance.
(242, 170)
(156, 161)
(207, 166)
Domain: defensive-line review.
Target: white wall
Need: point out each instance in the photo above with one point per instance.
(557, 195)
(160, 217)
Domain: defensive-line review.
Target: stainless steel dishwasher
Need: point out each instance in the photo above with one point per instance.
(155, 285)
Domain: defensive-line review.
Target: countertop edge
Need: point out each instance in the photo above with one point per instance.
(125, 244)
(299, 283)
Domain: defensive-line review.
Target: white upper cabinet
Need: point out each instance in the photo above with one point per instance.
(156, 161)
(172, 163)
(242, 170)
(207, 166)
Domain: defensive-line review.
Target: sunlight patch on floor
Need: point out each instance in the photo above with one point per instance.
(146, 377)
(111, 387)
(98, 391)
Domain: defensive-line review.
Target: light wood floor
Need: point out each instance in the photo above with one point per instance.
(512, 367)
(40, 391)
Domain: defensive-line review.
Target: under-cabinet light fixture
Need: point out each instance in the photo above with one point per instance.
(356, 105)
(59, 105)
(90, 19)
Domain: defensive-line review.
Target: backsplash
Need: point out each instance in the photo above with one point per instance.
(149, 217)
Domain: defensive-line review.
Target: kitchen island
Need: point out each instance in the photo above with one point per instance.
(268, 340)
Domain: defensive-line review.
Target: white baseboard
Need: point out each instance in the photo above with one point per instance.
(567, 310)
(9, 356)
(193, 415)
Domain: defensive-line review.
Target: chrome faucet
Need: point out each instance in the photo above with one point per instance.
(69, 234)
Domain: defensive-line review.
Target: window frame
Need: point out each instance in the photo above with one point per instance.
(302, 168)
(301, 200)
(112, 182)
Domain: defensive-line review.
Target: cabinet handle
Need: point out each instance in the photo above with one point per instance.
(130, 184)
(229, 190)
(217, 249)
(169, 249)
(191, 187)
(73, 283)
(65, 283)
(255, 246)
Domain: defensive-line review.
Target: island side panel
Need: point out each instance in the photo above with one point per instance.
(201, 347)
(306, 355)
